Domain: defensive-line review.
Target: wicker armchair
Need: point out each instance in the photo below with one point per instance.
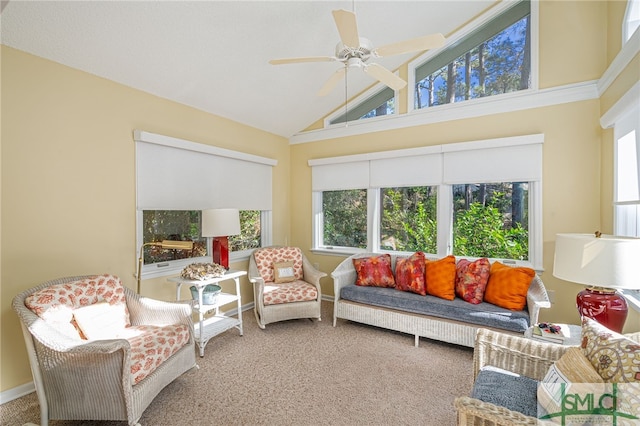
(77, 379)
(519, 355)
(299, 298)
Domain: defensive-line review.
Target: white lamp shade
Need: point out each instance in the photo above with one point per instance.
(608, 261)
(220, 222)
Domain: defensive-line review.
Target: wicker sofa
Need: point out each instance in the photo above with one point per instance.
(427, 316)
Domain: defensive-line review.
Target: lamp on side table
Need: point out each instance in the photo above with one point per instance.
(219, 224)
(604, 263)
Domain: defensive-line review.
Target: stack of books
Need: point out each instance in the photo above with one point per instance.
(550, 332)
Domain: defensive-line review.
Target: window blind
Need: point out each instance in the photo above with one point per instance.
(522, 163)
(175, 174)
(418, 170)
(514, 159)
(341, 176)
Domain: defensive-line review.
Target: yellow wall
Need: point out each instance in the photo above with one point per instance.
(67, 164)
(68, 182)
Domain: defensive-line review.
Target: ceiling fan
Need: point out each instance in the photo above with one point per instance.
(354, 52)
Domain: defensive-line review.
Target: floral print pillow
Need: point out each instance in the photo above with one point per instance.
(374, 271)
(410, 274)
(615, 357)
(471, 279)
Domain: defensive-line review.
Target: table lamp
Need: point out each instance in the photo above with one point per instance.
(219, 224)
(604, 263)
(166, 244)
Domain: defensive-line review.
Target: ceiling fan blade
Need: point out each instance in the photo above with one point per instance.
(413, 45)
(302, 60)
(347, 27)
(331, 83)
(385, 76)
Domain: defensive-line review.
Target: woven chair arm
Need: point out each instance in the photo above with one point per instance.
(345, 274)
(146, 311)
(311, 274)
(258, 283)
(253, 273)
(472, 411)
(528, 357)
(537, 298)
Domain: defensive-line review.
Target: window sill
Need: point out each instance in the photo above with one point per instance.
(175, 267)
(633, 297)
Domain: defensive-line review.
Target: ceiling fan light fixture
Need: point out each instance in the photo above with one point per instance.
(355, 63)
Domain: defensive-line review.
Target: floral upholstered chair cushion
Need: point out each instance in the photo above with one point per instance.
(292, 290)
(95, 309)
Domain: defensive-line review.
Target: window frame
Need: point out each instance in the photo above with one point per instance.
(458, 37)
(361, 102)
(444, 206)
(631, 20)
(624, 117)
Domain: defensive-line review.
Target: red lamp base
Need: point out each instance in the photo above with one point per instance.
(221, 251)
(604, 305)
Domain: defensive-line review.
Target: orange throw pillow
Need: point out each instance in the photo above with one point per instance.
(441, 277)
(374, 271)
(507, 286)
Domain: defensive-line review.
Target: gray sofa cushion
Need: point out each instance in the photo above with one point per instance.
(517, 393)
(483, 314)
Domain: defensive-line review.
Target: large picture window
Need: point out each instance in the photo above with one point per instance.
(177, 179)
(471, 199)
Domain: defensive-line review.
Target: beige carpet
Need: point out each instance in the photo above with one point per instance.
(304, 373)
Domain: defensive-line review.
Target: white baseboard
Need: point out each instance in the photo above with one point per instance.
(17, 392)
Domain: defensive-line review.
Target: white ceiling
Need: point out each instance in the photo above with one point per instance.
(213, 55)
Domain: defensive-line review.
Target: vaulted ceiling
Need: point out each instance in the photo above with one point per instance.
(213, 55)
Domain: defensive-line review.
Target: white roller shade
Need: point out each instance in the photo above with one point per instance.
(520, 163)
(513, 159)
(340, 176)
(419, 170)
(173, 174)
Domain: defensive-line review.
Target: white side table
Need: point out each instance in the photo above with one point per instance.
(574, 339)
(209, 327)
